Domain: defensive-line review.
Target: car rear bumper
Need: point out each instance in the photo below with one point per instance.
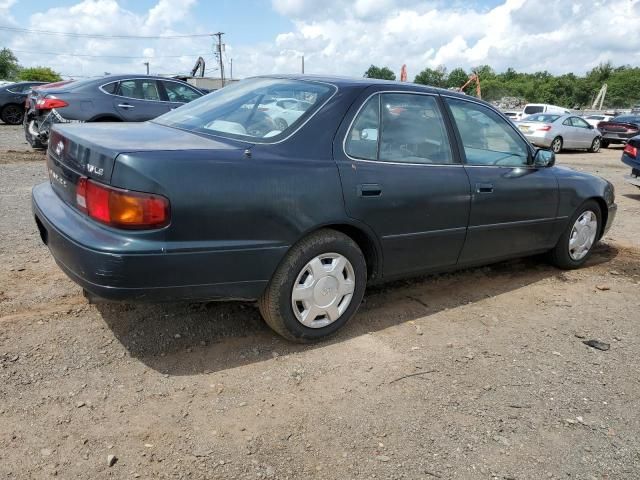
(96, 258)
(617, 137)
(539, 139)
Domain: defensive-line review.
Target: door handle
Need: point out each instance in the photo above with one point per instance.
(484, 187)
(369, 190)
(125, 105)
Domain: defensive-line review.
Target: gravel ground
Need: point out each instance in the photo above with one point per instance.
(479, 374)
(12, 138)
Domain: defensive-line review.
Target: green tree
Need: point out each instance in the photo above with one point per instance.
(39, 74)
(9, 67)
(383, 73)
(457, 77)
(433, 77)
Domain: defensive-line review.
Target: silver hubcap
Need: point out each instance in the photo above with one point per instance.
(557, 144)
(583, 234)
(596, 145)
(323, 290)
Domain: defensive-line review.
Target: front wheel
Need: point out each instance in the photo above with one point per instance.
(317, 288)
(576, 243)
(556, 145)
(595, 145)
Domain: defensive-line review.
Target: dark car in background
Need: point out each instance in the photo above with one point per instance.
(619, 130)
(373, 181)
(630, 157)
(116, 98)
(12, 98)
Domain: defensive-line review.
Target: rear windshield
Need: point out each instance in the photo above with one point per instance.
(258, 109)
(529, 109)
(544, 118)
(627, 119)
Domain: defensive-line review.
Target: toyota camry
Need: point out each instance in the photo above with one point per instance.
(372, 181)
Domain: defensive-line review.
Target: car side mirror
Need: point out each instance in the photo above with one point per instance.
(544, 158)
(591, 127)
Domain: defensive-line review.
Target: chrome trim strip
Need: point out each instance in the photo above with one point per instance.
(425, 234)
(366, 100)
(518, 222)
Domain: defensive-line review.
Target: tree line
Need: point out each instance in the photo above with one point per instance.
(11, 70)
(567, 90)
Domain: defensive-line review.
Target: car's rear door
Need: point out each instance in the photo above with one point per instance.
(403, 179)
(513, 203)
(138, 100)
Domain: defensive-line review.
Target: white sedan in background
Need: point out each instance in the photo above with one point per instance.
(285, 111)
(558, 132)
(596, 118)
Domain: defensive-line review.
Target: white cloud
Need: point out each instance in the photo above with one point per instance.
(528, 35)
(338, 37)
(108, 17)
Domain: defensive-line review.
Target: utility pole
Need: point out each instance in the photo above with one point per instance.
(220, 48)
(303, 64)
(231, 68)
(147, 64)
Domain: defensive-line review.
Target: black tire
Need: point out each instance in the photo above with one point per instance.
(595, 145)
(281, 124)
(12, 114)
(556, 145)
(560, 255)
(604, 144)
(276, 304)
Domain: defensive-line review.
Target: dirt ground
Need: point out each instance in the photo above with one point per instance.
(479, 374)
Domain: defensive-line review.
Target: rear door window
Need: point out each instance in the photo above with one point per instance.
(531, 109)
(110, 87)
(400, 128)
(141, 89)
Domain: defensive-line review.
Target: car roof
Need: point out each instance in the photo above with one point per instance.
(340, 81)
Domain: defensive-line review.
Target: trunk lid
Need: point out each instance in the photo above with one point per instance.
(617, 127)
(91, 149)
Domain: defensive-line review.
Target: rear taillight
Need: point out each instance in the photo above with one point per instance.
(545, 128)
(121, 208)
(631, 150)
(49, 103)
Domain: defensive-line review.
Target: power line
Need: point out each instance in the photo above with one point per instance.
(114, 56)
(96, 35)
(109, 56)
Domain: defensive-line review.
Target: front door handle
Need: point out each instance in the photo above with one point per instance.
(484, 187)
(369, 190)
(125, 105)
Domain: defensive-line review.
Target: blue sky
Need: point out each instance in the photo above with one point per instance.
(335, 36)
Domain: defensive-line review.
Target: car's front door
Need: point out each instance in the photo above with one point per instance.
(513, 203)
(583, 131)
(138, 100)
(177, 94)
(402, 178)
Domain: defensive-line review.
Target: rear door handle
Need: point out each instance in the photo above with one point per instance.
(369, 190)
(484, 187)
(125, 105)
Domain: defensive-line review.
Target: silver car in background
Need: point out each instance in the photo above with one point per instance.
(558, 132)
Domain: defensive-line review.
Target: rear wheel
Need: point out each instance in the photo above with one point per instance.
(317, 288)
(576, 243)
(281, 124)
(12, 114)
(595, 145)
(556, 145)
